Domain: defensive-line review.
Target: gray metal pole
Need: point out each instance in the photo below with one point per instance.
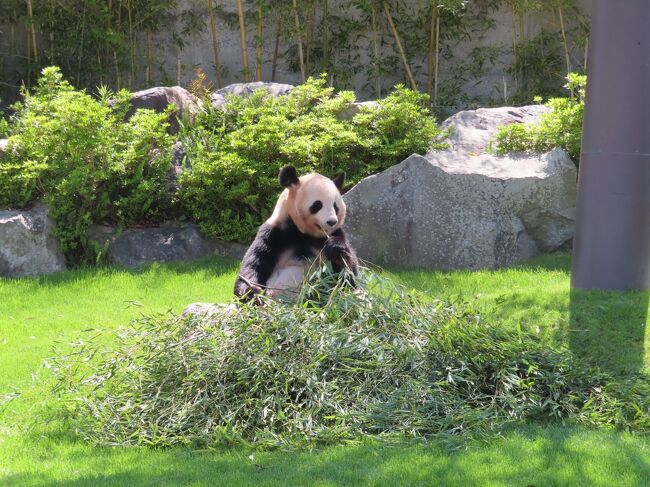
(612, 241)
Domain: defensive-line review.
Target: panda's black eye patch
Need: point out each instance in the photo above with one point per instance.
(336, 208)
(315, 207)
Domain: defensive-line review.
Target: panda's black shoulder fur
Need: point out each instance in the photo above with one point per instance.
(272, 241)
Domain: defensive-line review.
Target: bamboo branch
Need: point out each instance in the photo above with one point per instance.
(242, 38)
(399, 46)
(215, 48)
(300, 55)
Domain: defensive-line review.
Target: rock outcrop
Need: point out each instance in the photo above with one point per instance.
(135, 247)
(160, 97)
(26, 246)
(218, 98)
(465, 208)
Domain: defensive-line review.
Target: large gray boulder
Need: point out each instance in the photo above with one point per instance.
(135, 247)
(26, 246)
(218, 98)
(160, 97)
(465, 208)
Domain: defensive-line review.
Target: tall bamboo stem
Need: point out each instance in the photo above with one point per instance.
(566, 47)
(326, 36)
(81, 44)
(375, 48)
(178, 69)
(242, 39)
(399, 46)
(131, 46)
(436, 71)
(149, 57)
(586, 52)
(259, 42)
(276, 48)
(432, 46)
(32, 29)
(300, 55)
(514, 49)
(215, 47)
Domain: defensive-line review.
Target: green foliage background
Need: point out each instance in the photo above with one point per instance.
(78, 154)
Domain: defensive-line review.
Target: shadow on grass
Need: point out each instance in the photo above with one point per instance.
(609, 328)
(526, 456)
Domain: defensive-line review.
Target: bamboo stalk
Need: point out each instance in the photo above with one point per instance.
(276, 48)
(215, 47)
(436, 71)
(178, 70)
(308, 38)
(375, 48)
(586, 52)
(242, 38)
(326, 36)
(81, 44)
(432, 46)
(131, 46)
(514, 48)
(260, 41)
(399, 46)
(33, 29)
(566, 48)
(149, 58)
(300, 55)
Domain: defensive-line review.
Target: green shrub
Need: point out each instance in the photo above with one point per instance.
(236, 152)
(90, 166)
(561, 127)
(336, 366)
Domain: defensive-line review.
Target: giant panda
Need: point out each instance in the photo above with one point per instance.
(305, 224)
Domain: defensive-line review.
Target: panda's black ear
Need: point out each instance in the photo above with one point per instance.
(288, 177)
(339, 181)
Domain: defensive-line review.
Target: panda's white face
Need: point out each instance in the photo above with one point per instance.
(319, 204)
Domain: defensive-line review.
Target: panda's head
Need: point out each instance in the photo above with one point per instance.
(312, 201)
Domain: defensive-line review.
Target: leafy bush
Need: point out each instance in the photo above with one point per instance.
(89, 165)
(337, 365)
(236, 152)
(561, 127)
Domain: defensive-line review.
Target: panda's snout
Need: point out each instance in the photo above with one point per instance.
(332, 222)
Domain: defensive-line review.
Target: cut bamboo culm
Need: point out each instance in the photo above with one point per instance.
(326, 36)
(399, 46)
(215, 47)
(242, 39)
(276, 48)
(433, 46)
(300, 54)
(32, 29)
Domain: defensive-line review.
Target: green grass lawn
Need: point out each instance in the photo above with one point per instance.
(38, 314)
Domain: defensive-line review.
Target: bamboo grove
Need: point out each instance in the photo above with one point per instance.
(119, 42)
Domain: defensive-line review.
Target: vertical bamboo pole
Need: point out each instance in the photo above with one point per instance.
(309, 37)
(399, 46)
(276, 48)
(586, 52)
(259, 41)
(81, 44)
(149, 57)
(375, 48)
(432, 47)
(436, 63)
(514, 48)
(326, 36)
(242, 38)
(215, 48)
(566, 47)
(32, 29)
(131, 46)
(300, 55)
(178, 69)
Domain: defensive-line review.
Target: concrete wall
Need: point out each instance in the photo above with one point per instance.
(491, 82)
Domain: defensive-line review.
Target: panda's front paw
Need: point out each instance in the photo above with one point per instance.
(333, 250)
